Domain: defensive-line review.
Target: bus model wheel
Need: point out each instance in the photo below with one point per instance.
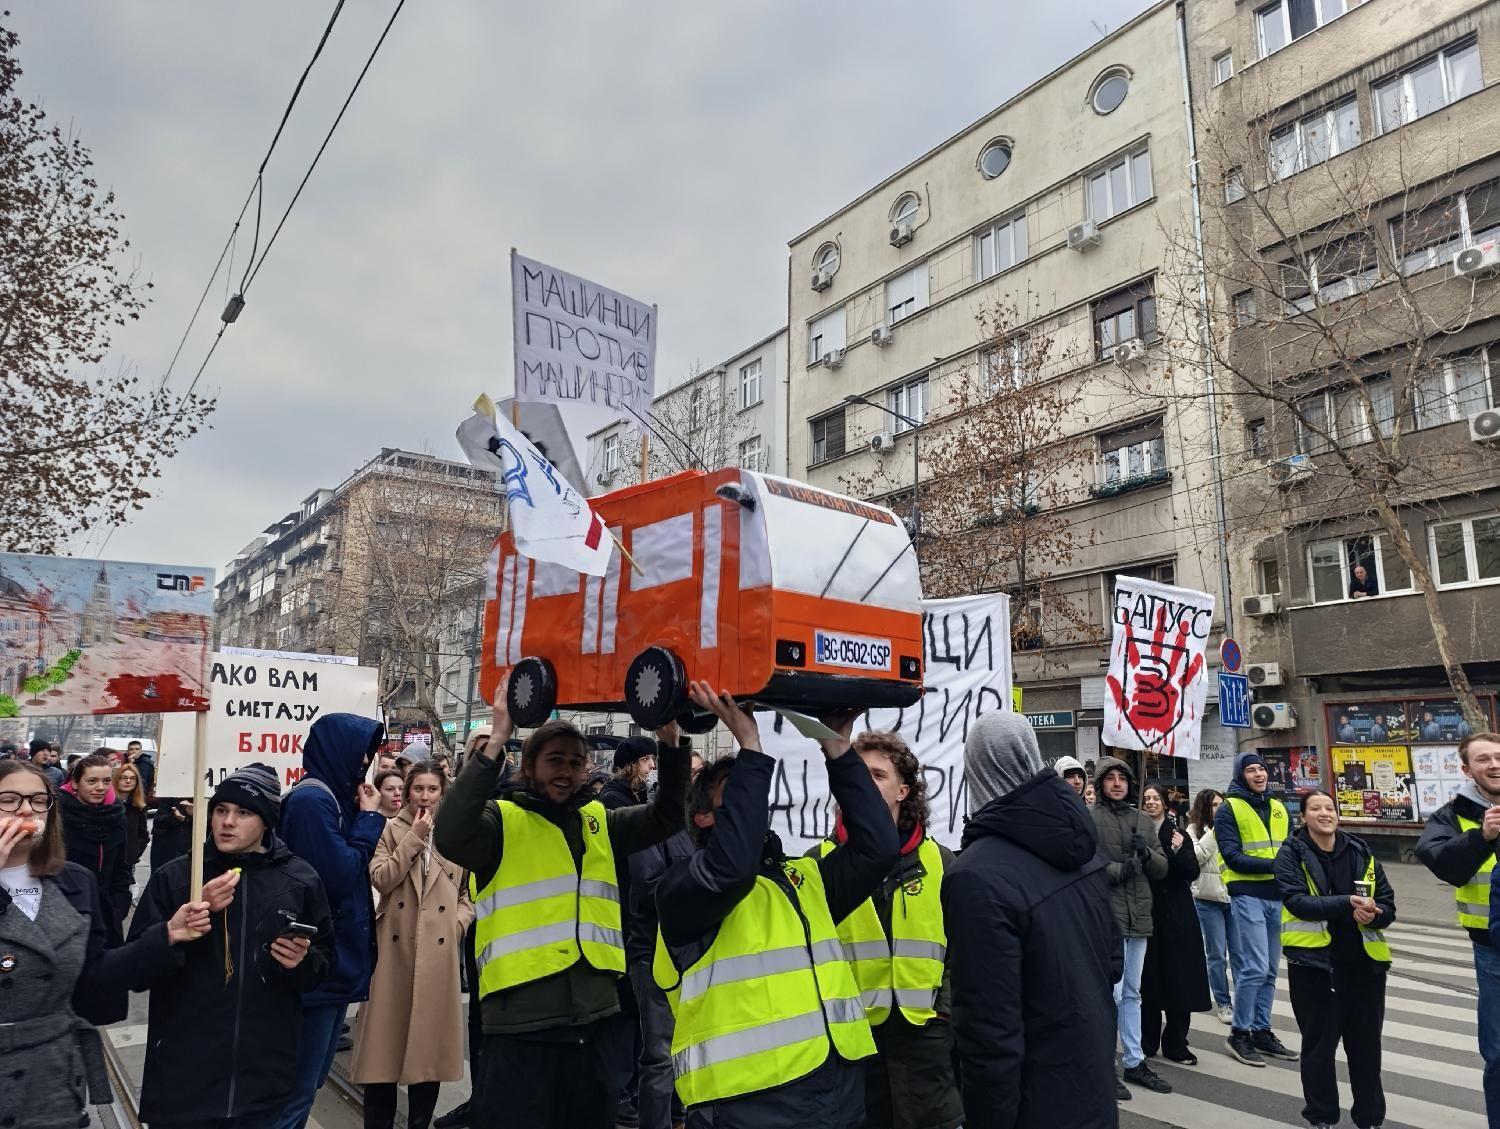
(692, 721)
(532, 694)
(655, 688)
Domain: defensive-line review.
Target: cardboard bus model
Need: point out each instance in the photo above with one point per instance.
(772, 589)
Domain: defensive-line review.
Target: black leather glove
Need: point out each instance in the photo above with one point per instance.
(1137, 843)
(1128, 869)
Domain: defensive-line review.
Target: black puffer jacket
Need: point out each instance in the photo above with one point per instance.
(1033, 952)
(1128, 844)
(1453, 854)
(223, 1022)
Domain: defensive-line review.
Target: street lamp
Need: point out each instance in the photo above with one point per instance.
(916, 466)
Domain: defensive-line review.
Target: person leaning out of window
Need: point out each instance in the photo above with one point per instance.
(1335, 903)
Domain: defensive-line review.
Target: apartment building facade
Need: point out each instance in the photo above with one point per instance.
(1353, 147)
(733, 414)
(1054, 208)
(405, 527)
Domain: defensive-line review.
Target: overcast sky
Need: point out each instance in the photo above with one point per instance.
(667, 149)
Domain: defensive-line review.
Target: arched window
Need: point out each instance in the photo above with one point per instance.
(994, 158)
(1109, 90)
(827, 259)
(906, 208)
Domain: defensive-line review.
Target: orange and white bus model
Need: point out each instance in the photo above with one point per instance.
(778, 592)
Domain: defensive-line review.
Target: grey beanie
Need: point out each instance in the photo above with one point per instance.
(1000, 754)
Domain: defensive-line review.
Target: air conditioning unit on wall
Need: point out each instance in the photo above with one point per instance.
(1263, 674)
(882, 442)
(1484, 427)
(901, 234)
(1082, 236)
(822, 279)
(1290, 470)
(833, 358)
(1261, 604)
(881, 335)
(1273, 715)
(1479, 261)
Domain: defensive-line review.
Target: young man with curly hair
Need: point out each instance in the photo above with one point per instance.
(897, 946)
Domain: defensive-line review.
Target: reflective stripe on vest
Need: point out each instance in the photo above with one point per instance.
(1299, 934)
(763, 1005)
(1256, 839)
(908, 968)
(1473, 897)
(540, 912)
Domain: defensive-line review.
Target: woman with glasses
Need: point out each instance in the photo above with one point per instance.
(59, 971)
(131, 793)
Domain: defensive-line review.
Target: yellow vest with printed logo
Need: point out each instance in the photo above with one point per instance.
(907, 968)
(770, 997)
(1473, 896)
(1256, 839)
(540, 913)
(1299, 934)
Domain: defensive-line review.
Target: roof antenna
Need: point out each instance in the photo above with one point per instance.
(1102, 29)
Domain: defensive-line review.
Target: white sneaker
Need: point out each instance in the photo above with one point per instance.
(1225, 1014)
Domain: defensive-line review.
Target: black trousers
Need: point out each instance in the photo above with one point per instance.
(380, 1104)
(1345, 1004)
(1171, 1038)
(545, 1084)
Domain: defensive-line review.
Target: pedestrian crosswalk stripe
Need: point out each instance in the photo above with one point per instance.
(1180, 1109)
(1458, 944)
(1437, 933)
(1401, 1002)
(1410, 987)
(1432, 969)
(1429, 1036)
(1408, 1111)
(1430, 1070)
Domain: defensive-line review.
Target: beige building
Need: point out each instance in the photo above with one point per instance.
(1058, 204)
(1351, 194)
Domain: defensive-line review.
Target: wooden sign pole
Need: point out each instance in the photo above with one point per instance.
(200, 805)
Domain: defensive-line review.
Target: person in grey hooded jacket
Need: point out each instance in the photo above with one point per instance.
(1132, 854)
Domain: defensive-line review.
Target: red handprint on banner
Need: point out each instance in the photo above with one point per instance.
(1150, 689)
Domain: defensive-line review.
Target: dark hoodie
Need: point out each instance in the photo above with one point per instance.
(324, 827)
(1027, 903)
(1227, 835)
(1131, 851)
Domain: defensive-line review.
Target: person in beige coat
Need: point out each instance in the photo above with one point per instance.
(411, 1030)
(1211, 899)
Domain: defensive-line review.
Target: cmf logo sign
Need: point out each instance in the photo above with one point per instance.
(178, 582)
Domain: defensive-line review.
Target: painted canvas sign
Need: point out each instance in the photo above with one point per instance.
(1158, 678)
(102, 637)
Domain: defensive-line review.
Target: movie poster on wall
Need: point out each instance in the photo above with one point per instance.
(1374, 782)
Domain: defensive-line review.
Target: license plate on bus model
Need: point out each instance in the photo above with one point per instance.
(855, 651)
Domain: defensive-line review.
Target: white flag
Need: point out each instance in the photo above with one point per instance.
(550, 520)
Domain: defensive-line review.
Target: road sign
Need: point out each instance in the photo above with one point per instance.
(1234, 700)
(1229, 655)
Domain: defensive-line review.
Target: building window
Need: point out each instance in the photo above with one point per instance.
(1162, 572)
(1109, 91)
(752, 454)
(1453, 389)
(1234, 186)
(1287, 20)
(1125, 315)
(824, 335)
(1002, 246)
(826, 261)
(1467, 551)
(1268, 572)
(1223, 68)
(695, 408)
(828, 436)
(909, 400)
(1431, 236)
(906, 208)
(1258, 438)
(1353, 568)
(1339, 270)
(1005, 365)
(750, 384)
(1134, 452)
(1437, 81)
(906, 294)
(1338, 414)
(1311, 140)
(994, 158)
(1122, 184)
(1244, 308)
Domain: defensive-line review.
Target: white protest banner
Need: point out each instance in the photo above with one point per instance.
(260, 709)
(966, 651)
(580, 343)
(1158, 678)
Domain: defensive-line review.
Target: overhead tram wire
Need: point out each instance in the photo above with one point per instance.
(254, 264)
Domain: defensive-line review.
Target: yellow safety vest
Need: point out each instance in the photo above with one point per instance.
(1473, 896)
(909, 964)
(540, 912)
(773, 992)
(1256, 839)
(1299, 934)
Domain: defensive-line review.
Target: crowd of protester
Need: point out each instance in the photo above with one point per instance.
(641, 950)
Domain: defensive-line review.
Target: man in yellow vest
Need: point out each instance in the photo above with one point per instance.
(547, 938)
(770, 1029)
(1458, 845)
(898, 947)
(1249, 828)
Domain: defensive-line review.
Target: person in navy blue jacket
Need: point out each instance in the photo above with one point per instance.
(331, 820)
